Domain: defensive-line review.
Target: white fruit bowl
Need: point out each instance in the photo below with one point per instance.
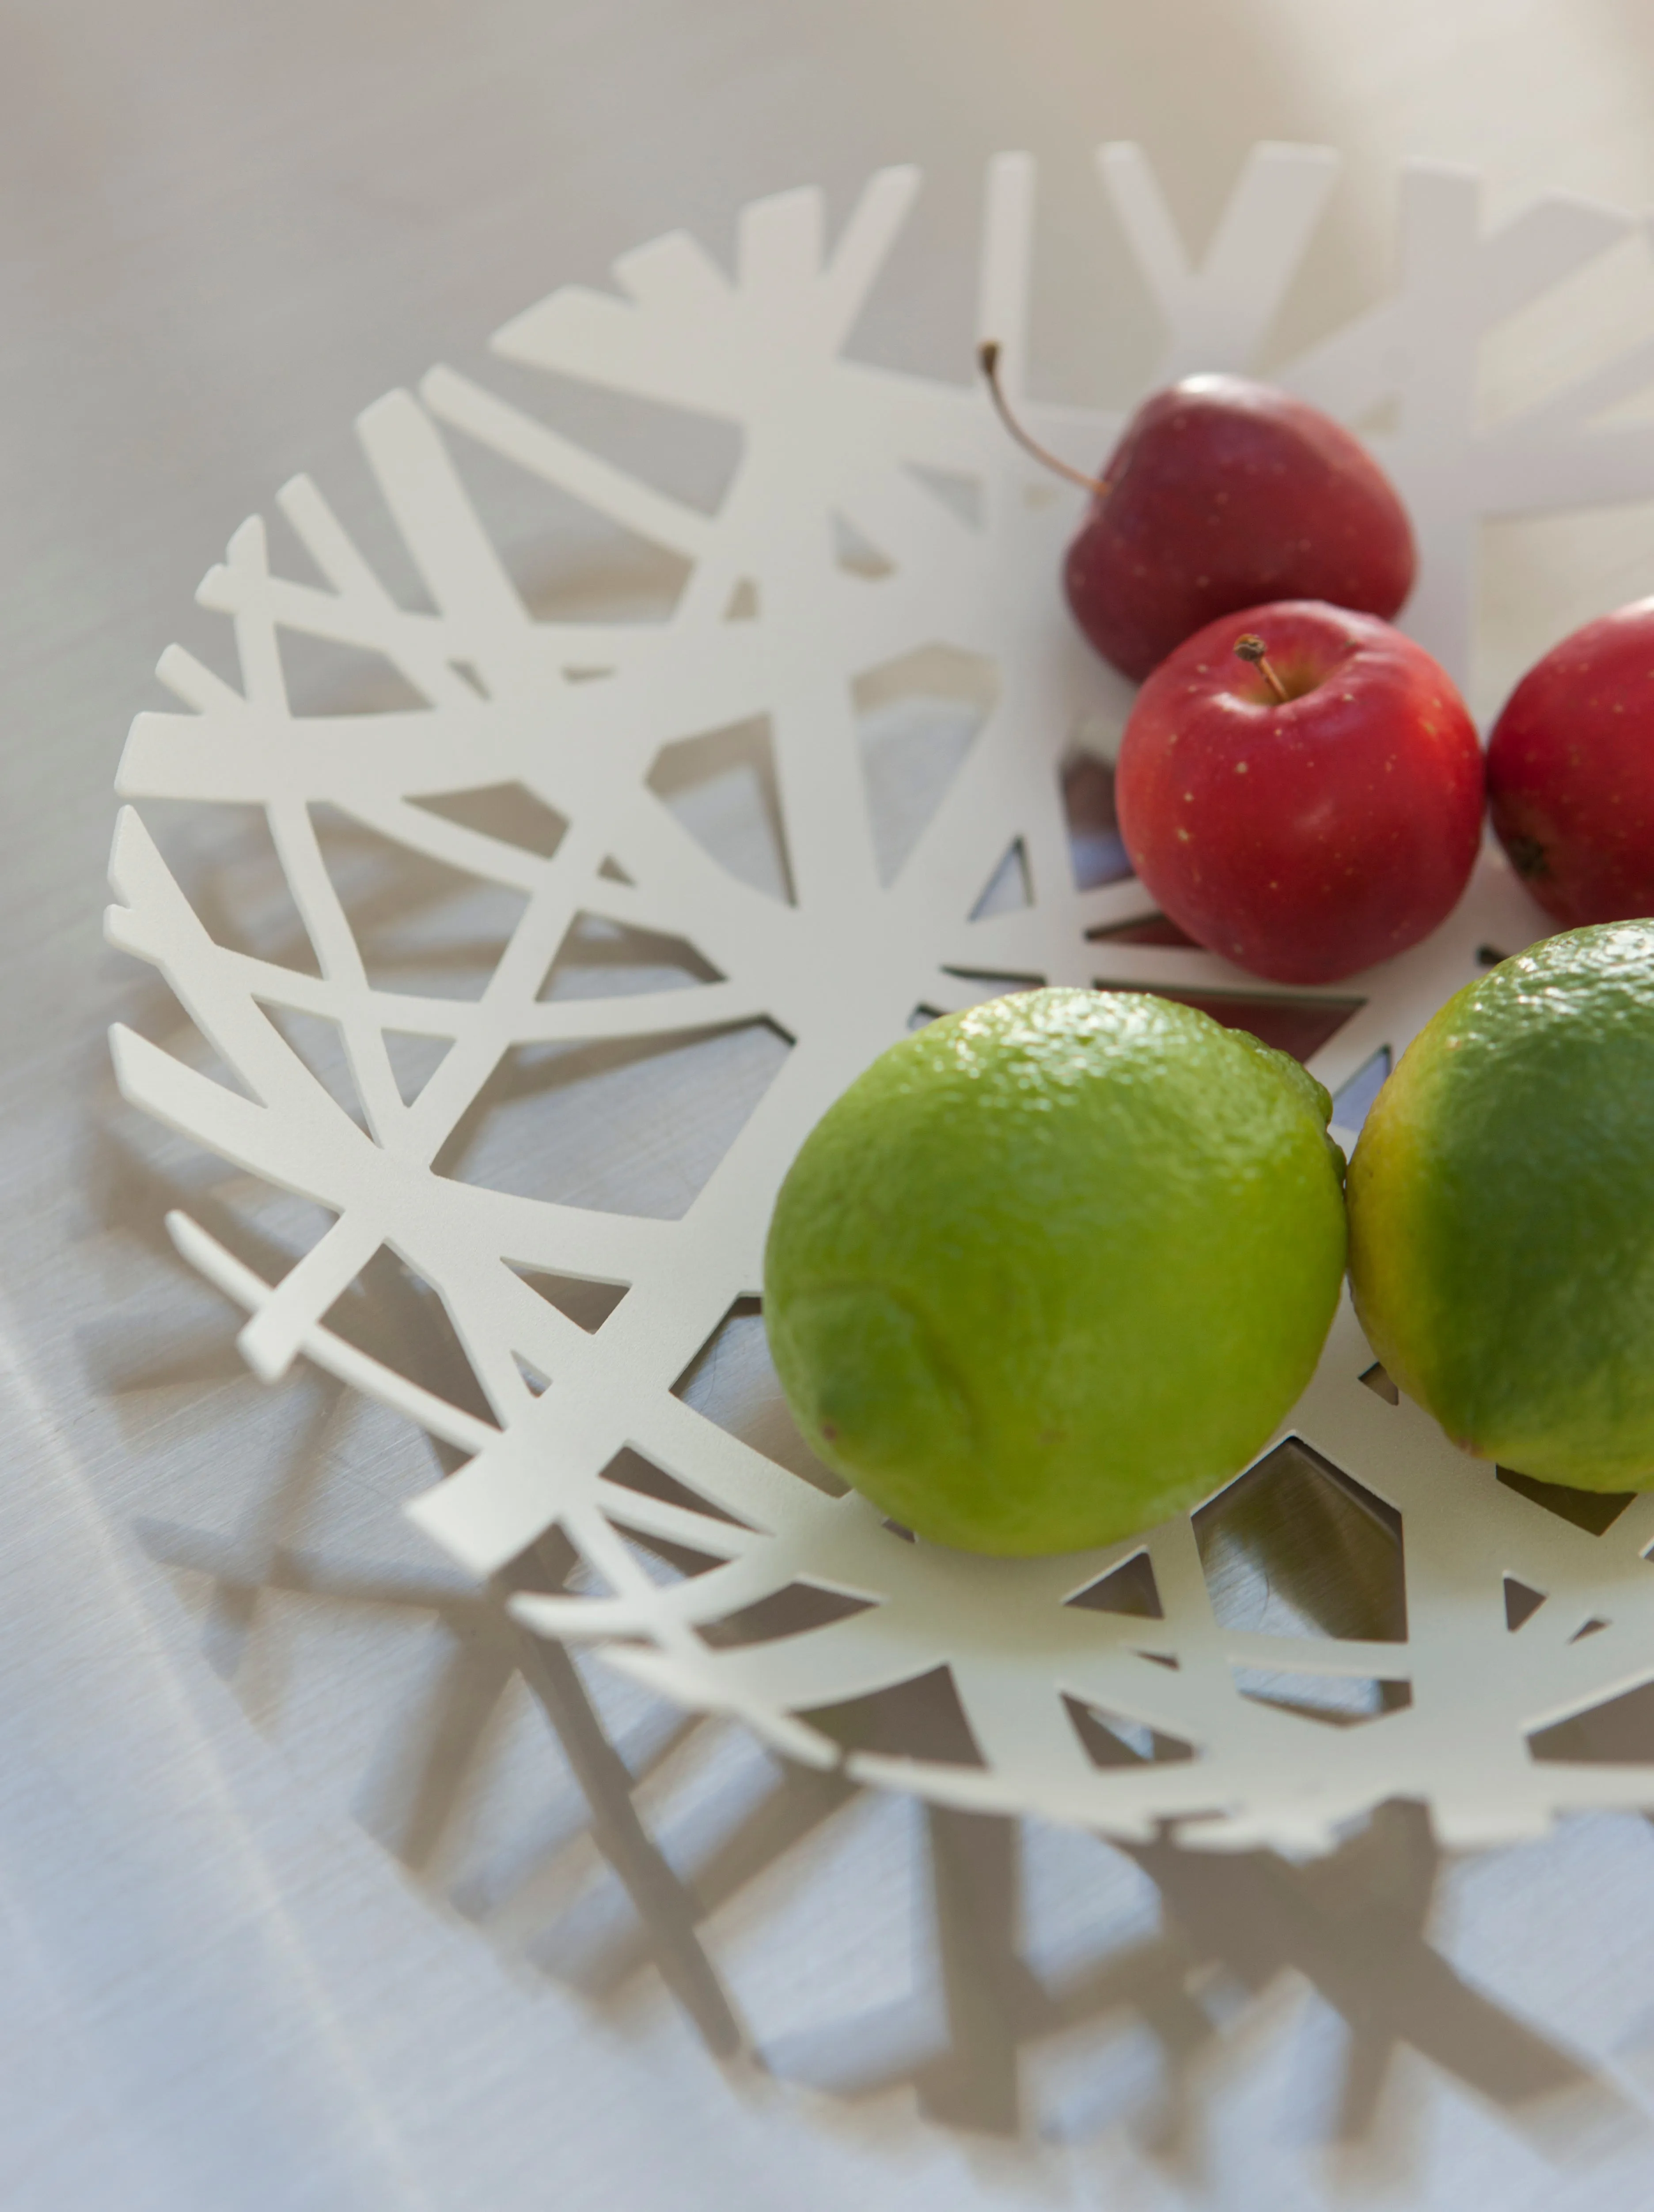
(665, 886)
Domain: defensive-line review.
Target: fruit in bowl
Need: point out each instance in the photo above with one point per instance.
(1223, 494)
(1300, 788)
(1055, 1266)
(1501, 1210)
(1571, 773)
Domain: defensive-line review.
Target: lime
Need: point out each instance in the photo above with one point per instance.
(1501, 1202)
(1053, 1268)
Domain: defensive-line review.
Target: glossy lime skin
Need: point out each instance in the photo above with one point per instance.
(1501, 1202)
(1055, 1266)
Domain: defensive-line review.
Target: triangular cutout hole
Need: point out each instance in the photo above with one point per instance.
(794, 1611)
(1333, 1700)
(996, 984)
(1129, 1588)
(721, 787)
(569, 561)
(414, 1060)
(921, 1719)
(537, 1382)
(324, 676)
(1619, 1732)
(664, 1560)
(917, 718)
(961, 494)
(1011, 886)
(588, 1304)
(319, 1041)
(421, 924)
(1146, 929)
(1114, 1740)
(600, 958)
(855, 553)
(1378, 1382)
(1594, 1510)
(1521, 1603)
(630, 1470)
(508, 812)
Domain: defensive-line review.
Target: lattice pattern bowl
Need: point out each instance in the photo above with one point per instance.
(855, 776)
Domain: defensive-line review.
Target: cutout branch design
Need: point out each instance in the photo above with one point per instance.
(881, 562)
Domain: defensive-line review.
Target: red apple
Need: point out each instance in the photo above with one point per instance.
(1571, 773)
(1308, 810)
(1222, 494)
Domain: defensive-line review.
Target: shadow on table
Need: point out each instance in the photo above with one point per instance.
(1231, 1929)
(1352, 1926)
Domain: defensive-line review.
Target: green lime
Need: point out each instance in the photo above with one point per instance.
(1501, 1202)
(1052, 1268)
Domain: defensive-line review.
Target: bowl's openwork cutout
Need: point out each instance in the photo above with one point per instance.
(1425, 1628)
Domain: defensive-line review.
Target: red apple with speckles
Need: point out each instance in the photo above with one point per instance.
(1223, 494)
(1571, 773)
(1308, 806)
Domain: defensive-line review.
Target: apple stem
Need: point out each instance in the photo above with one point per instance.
(988, 355)
(1252, 648)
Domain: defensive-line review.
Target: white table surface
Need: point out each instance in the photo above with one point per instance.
(272, 1941)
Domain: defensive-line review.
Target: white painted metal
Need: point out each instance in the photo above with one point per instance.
(950, 586)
